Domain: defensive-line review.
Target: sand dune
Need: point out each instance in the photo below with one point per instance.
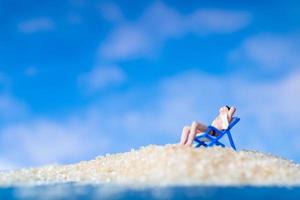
(167, 165)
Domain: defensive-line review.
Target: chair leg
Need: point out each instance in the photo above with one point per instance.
(231, 140)
(197, 145)
(220, 144)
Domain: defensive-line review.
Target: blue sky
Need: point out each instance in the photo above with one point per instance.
(84, 78)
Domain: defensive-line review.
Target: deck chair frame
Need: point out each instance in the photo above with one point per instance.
(208, 140)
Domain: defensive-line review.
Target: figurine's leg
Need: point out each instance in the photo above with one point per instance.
(187, 133)
(195, 128)
(184, 135)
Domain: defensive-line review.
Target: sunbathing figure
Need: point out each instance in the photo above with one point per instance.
(220, 122)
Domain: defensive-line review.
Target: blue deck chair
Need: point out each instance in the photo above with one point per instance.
(208, 140)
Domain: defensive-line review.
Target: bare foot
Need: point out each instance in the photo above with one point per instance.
(222, 121)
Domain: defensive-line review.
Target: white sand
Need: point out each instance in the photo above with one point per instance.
(167, 165)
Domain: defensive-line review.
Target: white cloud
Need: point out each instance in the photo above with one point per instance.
(44, 141)
(102, 77)
(111, 12)
(11, 107)
(269, 51)
(218, 21)
(7, 165)
(126, 42)
(156, 114)
(268, 109)
(36, 25)
(159, 22)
